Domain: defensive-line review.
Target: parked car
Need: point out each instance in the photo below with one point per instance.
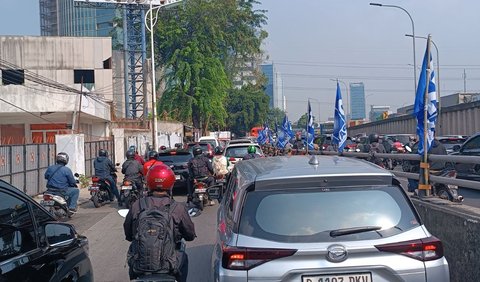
(450, 142)
(471, 147)
(209, 139)
(36, 247)
(321, 218)
(236, 152)
(207, 148)
(178, 162)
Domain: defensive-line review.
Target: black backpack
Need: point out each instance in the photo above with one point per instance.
(153, 248)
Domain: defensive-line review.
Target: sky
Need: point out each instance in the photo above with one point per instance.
(313, 41)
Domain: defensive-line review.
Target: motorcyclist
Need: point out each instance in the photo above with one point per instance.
(160, 181)
(374, 147)
(298, 145)
(60, 177)
(251, 153)
(219, 163)
(199, 167)
(437, 148)
(152, 160)
(104, 169)
(133, 170)
(138, 158)
(147, 152)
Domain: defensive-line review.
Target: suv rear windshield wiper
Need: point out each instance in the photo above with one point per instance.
(353, 230)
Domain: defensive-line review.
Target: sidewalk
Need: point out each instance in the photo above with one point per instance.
(84, 195)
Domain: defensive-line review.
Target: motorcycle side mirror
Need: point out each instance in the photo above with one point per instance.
(456, 148)
(408, 148)
(117, 164)
(76, 175)
(123, 212)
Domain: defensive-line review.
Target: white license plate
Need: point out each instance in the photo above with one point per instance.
(126, 187)
(353, 277)
(177, 177)
(93, 188)
(47, 203)
(201, 190)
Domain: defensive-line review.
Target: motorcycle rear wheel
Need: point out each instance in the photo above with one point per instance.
(95, 200)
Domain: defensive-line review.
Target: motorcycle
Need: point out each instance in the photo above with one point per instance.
(200, 196)
(100, 191)
(55, 201)
(446, 191)
(129, 193)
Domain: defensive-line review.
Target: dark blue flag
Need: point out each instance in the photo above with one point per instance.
(340, 124)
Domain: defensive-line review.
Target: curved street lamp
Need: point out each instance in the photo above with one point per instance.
(413, 39)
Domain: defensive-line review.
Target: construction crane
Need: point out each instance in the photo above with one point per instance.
(134, 44)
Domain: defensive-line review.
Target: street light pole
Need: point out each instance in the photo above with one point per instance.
(438, 77)
(154, 90)
(413, 39)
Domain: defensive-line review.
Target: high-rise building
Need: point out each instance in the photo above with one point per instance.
(65, 18)
(274, 87)
(357, 101)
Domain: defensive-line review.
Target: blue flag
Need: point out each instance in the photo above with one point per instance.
(282, 138)
(431, 107)
(310, 133)
(340, 125)
(262, 138)
(287, 128)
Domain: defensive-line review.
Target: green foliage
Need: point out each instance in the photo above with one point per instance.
(275, 115)
(201, 47)
(84, 181)
(247, 107)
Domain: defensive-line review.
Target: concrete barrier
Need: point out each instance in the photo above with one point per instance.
(458, 227)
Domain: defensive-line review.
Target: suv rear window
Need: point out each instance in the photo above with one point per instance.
(176, 158)
(239, 152)
(307, 215)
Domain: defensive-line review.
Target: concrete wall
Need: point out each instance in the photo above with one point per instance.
(462, 119)
(458, 227)
(74, 146)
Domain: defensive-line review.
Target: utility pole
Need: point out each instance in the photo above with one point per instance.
(464, 81)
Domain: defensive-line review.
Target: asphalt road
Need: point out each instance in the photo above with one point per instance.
(108, 247)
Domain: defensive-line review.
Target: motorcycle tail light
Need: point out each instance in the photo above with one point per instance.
(232, 159)
(47, 197)
(127, 183)
(95, 179)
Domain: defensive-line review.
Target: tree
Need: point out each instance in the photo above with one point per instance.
(199, 47)
(247, 107)
(302, 122)
(275, 115)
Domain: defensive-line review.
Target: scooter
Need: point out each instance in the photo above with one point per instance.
(446, 191)
(200, 196)
(100, 191)
(55, 201)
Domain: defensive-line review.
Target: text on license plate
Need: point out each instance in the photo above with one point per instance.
(201, 190)
(177, 177)
(93, 188)
(126, 187)
(354, 277)
(47, 203)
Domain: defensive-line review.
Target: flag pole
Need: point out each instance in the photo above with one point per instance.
(425, 165)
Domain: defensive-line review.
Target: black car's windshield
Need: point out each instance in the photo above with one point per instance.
(180, 158)
(306, 215)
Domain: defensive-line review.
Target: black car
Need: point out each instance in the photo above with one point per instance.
(36, 247)
(177, 160)
(471, 147)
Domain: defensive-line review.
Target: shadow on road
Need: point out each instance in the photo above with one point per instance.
(199, 267)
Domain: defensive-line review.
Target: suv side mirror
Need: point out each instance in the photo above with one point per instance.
(456, 148)
(59, 234)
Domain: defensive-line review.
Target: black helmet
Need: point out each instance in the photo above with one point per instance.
(197, 151)
(102, 153)
(373, 137)
(251, 149)
(152, 155)
(218, 150)
(130, 154)
(62, 158)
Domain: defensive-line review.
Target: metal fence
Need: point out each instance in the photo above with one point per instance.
(24, 166)
(91, 151)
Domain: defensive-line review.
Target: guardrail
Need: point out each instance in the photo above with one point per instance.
(414, 157)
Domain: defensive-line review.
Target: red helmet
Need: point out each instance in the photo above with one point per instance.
(160, 177)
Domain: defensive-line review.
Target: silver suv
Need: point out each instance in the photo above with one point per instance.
(321, 218)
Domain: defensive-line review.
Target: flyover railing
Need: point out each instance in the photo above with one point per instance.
(415, 157)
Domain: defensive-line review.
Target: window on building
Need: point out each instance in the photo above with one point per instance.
(85, 76)
(14, 77)
(107, 64)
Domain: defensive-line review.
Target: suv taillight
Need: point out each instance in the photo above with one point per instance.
(248, 258)
(430, 248)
